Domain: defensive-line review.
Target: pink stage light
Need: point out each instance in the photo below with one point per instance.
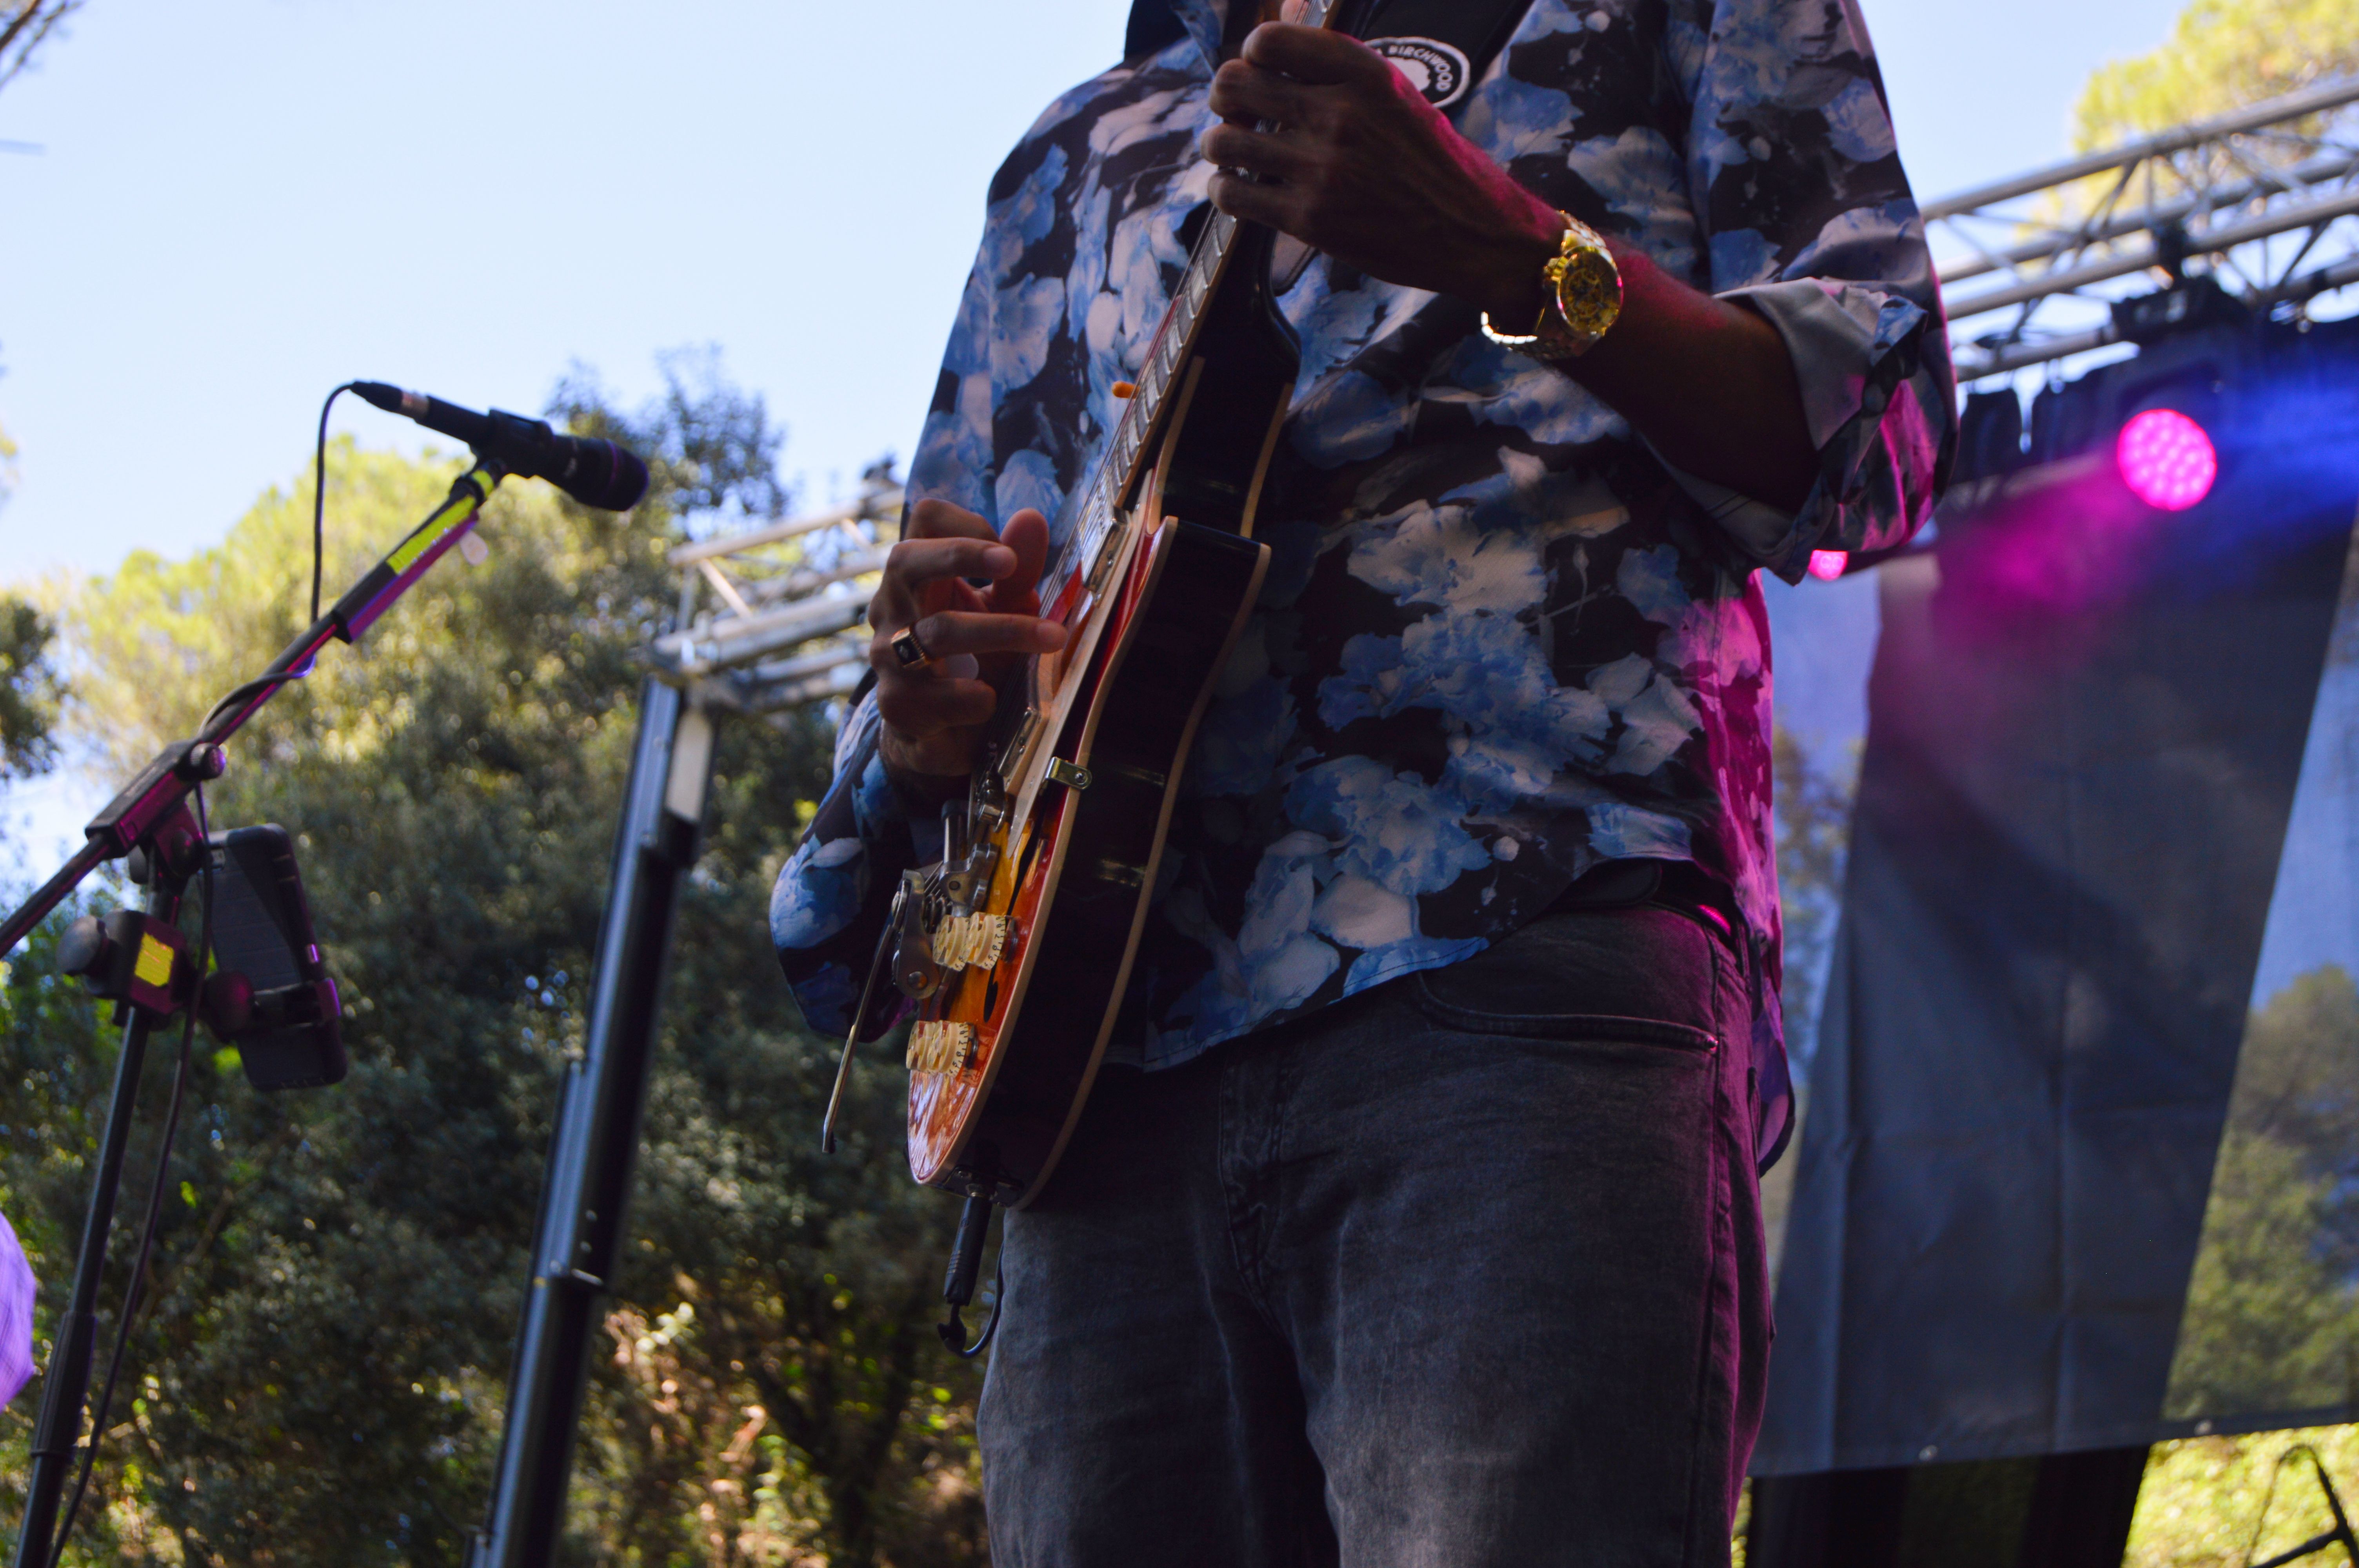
(2167, 460)
(1828, 565)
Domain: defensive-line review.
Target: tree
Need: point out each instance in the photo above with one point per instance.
(24, 27)
(29, 688)
(2225, 54)
(1813, 825)
(323, 1364)
(2272, 1321)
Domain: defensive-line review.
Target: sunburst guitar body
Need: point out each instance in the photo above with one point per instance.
(1019, 945)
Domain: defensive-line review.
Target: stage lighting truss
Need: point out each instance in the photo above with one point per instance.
(771, 618)
(2258, 202)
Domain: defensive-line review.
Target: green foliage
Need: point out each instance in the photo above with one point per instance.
(1813, 834)
(322, 1362)
(2201, 1506)
(2225, 54)
(715, 444)
(29, 688)
(2272, 1319)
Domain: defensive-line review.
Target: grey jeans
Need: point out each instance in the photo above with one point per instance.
(1465, 1271)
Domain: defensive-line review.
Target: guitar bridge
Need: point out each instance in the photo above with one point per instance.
(914, 968)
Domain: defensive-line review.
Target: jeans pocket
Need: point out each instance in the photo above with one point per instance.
(1636, 976)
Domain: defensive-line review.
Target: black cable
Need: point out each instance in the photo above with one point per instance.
(259, 683)
(319, 560)
(990, 1325)
(133, 1292)
(320, 496)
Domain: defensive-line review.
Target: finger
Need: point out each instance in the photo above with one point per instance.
(946, 754)
(1313, 54)
(1274, 206)
(1251, 94)
(933, 518)
(951, 633)
(1255, 152)
(913, 564)
(1017, 593)
(922, 707)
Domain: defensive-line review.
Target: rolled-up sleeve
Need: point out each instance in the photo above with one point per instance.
(1808, 219)
(829, 906)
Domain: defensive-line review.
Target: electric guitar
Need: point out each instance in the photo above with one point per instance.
(1018, 945)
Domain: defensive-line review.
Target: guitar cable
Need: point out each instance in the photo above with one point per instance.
(958, 1284)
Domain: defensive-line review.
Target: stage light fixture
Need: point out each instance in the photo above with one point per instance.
(2167, 460)
(1828, 565)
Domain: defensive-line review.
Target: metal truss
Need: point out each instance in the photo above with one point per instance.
(769, 618)
(2257, 198)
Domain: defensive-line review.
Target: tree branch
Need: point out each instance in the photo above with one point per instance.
(33, 21)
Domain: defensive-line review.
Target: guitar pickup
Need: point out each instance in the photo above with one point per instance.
(1104, 562)
(1011, 755)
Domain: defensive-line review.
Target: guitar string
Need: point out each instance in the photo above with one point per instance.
(1127, 445)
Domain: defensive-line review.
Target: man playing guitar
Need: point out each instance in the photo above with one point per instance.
(1414, 1217)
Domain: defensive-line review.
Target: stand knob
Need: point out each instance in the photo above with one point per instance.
(85, 949)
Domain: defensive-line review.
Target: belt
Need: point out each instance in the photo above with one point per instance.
(1680, 886)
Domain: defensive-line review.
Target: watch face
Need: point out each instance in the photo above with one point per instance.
(1589, 293)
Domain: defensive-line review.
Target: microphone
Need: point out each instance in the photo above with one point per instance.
(593, 472)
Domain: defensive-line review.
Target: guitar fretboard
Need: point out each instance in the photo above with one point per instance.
(1093, 520)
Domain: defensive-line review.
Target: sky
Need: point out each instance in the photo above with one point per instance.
(240, 204)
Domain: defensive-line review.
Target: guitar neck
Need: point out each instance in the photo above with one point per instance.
(1120, 472)
(1122, 468)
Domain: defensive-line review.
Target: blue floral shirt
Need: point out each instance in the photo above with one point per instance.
(1501, 641)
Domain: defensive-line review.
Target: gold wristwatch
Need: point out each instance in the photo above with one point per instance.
(1584, 299)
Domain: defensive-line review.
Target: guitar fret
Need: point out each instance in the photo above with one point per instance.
(1165, 353)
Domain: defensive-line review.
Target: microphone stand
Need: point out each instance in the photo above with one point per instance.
(164, 784)
(150, 815)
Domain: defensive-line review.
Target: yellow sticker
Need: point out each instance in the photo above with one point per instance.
(155, 965)
(418, 544)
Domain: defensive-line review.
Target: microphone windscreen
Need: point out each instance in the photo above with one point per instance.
(604, 475)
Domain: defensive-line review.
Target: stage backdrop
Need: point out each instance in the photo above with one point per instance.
(2079, 1165)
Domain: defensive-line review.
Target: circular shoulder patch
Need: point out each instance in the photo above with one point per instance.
(1432, 67)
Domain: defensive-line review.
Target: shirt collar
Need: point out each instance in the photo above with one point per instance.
(1157, 23)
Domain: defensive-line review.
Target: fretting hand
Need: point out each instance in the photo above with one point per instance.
(934, 713)
(1358, 165)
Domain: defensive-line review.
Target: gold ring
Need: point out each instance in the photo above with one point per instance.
(907, 652)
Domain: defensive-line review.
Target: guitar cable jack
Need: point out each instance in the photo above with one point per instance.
(958, 1284)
